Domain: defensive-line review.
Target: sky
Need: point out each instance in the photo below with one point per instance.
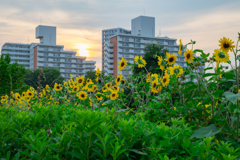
(80, 22)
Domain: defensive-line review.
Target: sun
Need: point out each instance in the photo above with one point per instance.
(82, 49)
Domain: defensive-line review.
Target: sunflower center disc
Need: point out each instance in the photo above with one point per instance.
(176, 71)
(164, 80)
(226, 45)
(188, 56)
(171, 59)
(122, 64)
(221, 54)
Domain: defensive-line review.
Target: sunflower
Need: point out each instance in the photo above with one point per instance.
(189, 55)
(90, 86)
(177, 70)
(116, 88)
(57, 87)
(226, 44)
(90, 101)
(98, 72)
(140, 61)
(23, 94)
(148, 79)
(3, 97)
(17, 95)
(29, 94)
(155, 83)
(97, 79)
(94, 88)
(160, 59)
(154, 77)
(123, 81)
(108, 85)
(75, 88)
(80, 80)
(167, 71)
(165, 80)
(82, 95)
(6, 96)
(47, 88)
(104, 89)
(122, 64)
(221, 56)
(44, 92)
(89, 80)
(171, 58)
(66, 84)
(113, 95)
(118, 80)
(180, 47)
(55, 103)
(3, 101)
(99, 96)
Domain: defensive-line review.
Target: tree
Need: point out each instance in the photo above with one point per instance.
(11, 76)
(151, 50)
(52, 76)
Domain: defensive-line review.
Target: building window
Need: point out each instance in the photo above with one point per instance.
(45, 59)
(67, 70)
(125, 39)
(137, 45)
(56, 54)
(171, 43)
(68, 55)
(56, 59)
(67, 60)
(136, 51)
(45, 54)
(56, 64)
(136, 39)
(56, 49)
(45, 49)
(45, 64)
(68, 65)
(125, 44)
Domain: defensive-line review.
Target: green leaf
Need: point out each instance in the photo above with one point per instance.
(209, 74)
(231, 96)
(121, 110)
(208, 68)
(109, 102)
(78, 155)
(208, 131)
(217, 92)
(212, 84)
(138, 152)
(229, 75)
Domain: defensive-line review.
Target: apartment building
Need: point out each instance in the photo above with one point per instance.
(48, 54)
(132, 44)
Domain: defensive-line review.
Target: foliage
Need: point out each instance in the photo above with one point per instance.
(66, 132)
(178, 114)
(51, 75)
(151, 50)
(11, 76)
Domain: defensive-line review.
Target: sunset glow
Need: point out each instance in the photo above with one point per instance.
(82, 49)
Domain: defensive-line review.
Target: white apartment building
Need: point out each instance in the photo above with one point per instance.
(48, 54)
(130, 45)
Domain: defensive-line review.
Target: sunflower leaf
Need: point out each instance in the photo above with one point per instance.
(208, 131)
(231, 96)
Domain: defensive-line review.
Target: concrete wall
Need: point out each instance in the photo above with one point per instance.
(46, 34)
(143, 26)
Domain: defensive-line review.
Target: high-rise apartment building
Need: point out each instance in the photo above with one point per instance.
(48, 54)
(132, 44)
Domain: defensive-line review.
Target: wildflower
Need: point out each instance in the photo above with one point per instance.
(118, 80)
(57, 87)
(155, 83)
(217, 141)
(104, 89)
(171, 58)
(108, 85)
(189, 55)
(180, 47)
(90, 101)
(165, 80)
(226, 44)
(116, 88)
(154, 77)
(47, 88)
(113, 95)
(174, 108)
(90, 87)
(221, 56)
(98, 72)
(140, 61)
(177, 70)
(99, 96)
(122, 64)
(148, 79)
(89, 80)
(29, 94)
(167, 71)
(160, 59)
(82, 95)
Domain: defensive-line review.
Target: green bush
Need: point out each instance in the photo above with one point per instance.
(64, 132)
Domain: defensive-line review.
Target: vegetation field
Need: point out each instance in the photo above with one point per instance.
(162, 111)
